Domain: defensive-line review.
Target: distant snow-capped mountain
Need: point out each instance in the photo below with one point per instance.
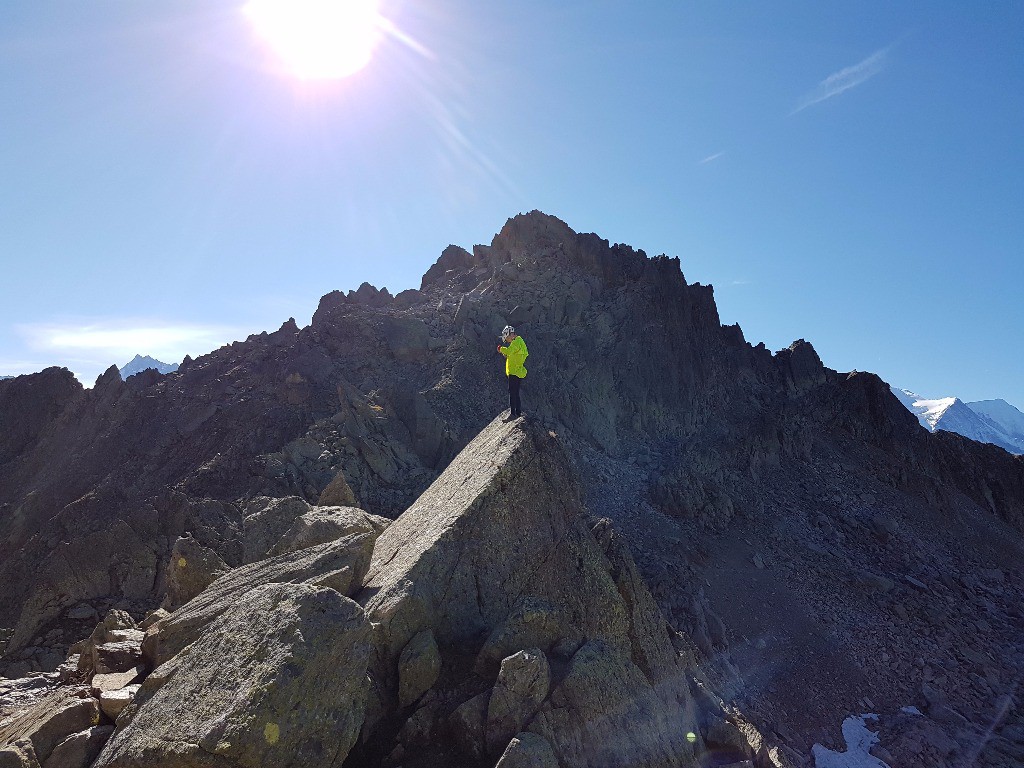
(987, 421)
(140, 363)
(1001, 415)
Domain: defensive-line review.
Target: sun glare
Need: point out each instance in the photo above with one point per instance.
(318, 39)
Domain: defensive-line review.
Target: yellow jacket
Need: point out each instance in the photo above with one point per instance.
(515, 355)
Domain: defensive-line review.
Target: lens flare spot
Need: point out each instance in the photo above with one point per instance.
(271, 732)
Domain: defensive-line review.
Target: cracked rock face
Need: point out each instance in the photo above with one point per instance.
(32, 735)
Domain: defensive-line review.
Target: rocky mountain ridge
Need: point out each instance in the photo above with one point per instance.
(779, 511)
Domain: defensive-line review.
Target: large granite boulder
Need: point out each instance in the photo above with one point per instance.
(171, 634)
(79, 750)
(279, 678)
(495, 558)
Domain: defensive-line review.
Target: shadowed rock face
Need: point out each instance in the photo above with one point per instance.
(703, 449)
(29, 403)
(484, 556)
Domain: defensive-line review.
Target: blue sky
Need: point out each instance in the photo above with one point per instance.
(848, 173)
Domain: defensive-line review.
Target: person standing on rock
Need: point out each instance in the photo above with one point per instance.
(515, 355)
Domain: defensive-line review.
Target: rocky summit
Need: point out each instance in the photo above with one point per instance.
(320, 547)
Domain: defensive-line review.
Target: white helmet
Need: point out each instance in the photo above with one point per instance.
(507, 331)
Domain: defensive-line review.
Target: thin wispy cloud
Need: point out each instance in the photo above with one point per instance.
(15, 366)
(709, 158)
(845, 79)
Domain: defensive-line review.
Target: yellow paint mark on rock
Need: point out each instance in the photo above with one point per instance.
(271, 733)
(181, 562)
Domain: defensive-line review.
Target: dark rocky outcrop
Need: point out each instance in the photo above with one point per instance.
(28, 404)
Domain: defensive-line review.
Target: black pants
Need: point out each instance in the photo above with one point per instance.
(514, 405)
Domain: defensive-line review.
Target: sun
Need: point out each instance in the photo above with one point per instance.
(318, 39)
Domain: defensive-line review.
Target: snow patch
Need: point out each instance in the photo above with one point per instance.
(859, 740)
(928, 411)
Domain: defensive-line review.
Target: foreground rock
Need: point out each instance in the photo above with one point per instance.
(277, 679)
(496, 562)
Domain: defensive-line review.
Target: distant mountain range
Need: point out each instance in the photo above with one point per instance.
(987, 421)
(140, 363)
